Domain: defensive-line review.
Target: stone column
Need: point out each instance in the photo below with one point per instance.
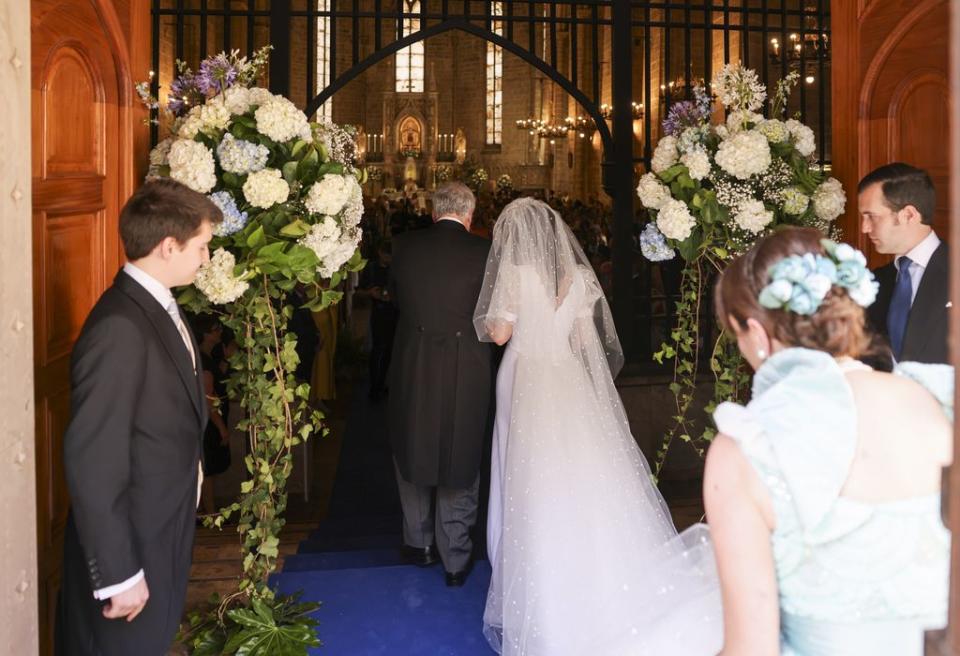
(18, 522)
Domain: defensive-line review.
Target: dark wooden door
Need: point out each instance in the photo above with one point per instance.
(891, 97)
(78, 182)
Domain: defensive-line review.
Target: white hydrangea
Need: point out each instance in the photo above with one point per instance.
(280, 119)
(774, 130)
(665, 155)
(753, 216)
(216, 281)
(653, 193)
(721, 131)
(803, 139)
(698, 163)
(209, 118)
(259, 96)
(795, 202)
(323, 238)
(158, 157)
(190, 125)
(674, 220)
(829, 200)
(339, 256)
(744, 154)
(329, 195)
(236, 99)
(266, 188)
(215, 116)
(333, 246)
(191, 163)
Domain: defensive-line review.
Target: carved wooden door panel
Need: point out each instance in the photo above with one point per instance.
(77, 180)
(905, 95)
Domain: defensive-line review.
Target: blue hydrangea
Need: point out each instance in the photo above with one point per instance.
(653, 244)
(233, 219)
(241, 157)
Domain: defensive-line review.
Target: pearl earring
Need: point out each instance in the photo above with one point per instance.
(761, 354)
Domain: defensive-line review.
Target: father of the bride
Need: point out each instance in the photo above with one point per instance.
(440, 382)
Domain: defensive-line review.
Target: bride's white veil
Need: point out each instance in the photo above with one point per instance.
(529, 233)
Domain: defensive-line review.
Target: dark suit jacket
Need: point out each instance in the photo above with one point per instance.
(130, 457)
(925, 339)
(440, 375)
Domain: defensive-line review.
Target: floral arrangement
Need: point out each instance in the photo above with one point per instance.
(443, 173)
(477, 177)
(712, 191)
(799, 283)
(410, 152)
(504, 183)
(292, 203)
(374, 173)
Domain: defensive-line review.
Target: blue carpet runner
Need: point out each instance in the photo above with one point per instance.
(372, 603)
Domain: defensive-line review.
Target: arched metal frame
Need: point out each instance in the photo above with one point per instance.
(562, 81)
(631, 24)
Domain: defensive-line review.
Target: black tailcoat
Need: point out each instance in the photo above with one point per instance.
(130, 457)
(441, 375)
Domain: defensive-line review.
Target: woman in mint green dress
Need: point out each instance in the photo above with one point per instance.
(823, 492)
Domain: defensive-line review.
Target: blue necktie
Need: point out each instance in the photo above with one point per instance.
(900, 305)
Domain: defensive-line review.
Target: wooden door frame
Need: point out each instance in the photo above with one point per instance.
(948, 643)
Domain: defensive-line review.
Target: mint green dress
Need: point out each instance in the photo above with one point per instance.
(854, 578)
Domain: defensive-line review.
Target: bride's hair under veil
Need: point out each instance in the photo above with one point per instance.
(531, 234)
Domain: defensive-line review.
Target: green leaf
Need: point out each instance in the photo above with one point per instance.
(257, 238)
(297, 147)
(671, 173)
(297, 228)
(289, 171)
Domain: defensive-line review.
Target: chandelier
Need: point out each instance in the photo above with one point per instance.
(678, 89)
(579, 125)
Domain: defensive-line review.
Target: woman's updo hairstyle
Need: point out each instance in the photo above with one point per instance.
(837, 327)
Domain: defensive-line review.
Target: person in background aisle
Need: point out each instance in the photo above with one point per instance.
(374, 283)
(216, 436)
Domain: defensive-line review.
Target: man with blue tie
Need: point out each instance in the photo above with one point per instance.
(896, 204)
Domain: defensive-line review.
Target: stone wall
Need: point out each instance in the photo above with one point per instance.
(18, 521)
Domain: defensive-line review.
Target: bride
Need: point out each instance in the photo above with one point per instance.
(585, 556)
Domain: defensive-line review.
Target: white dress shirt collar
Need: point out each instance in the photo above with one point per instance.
(922, 252)
(451, 218)
(156, 288)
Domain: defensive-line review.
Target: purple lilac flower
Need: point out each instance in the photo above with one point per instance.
(216, 74)
(183, 93)
(683, 115)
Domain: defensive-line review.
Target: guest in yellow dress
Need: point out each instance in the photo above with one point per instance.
(323, 384)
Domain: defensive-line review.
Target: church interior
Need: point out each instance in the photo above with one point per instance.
(564, 101)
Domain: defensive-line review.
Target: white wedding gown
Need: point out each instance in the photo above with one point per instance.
(585, 557)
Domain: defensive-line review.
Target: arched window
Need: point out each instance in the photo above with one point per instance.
(323, 58)
(495, 78)
(410, 59)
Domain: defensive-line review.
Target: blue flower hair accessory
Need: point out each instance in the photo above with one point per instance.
(799, 283)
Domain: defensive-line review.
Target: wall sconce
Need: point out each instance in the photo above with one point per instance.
(636, 109)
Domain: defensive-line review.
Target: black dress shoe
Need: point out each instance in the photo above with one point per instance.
(457, 579)
(419, 556)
